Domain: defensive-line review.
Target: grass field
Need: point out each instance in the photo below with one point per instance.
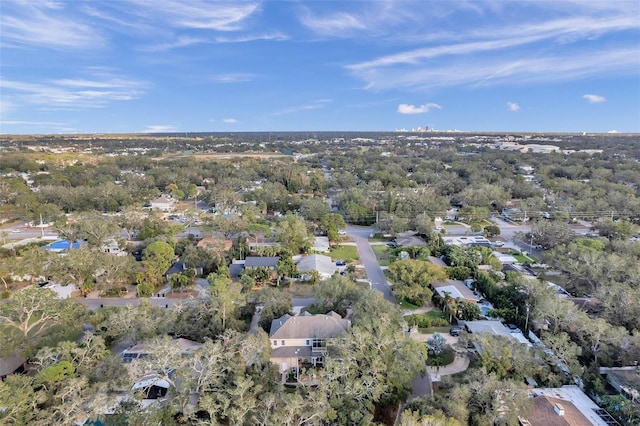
(347, 253)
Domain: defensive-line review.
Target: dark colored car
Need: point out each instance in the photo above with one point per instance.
(455, 331)
(340, 263)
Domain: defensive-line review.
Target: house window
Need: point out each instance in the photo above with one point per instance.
(282, 342)
(275, 343)
(319, 343)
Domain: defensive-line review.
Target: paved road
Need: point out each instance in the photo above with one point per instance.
(93, 304)
(360, 235)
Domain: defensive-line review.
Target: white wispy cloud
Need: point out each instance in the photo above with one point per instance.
(504, 39)
(510, 68)
(45, 25)
(513, 106)
(320, 103)
(499, 52)
(335, 23)
(94, 92)
(31, 123)
(244, 38)
(372, 18)
(594, 99)
(160, 128)
(178, 42)
(233, 77)
(197, 14)
(419, 109)
(230, 120)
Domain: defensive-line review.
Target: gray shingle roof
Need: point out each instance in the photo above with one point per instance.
(309, 326)
(323, 264)
(256, 261)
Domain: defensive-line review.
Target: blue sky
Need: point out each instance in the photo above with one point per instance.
(180, 66)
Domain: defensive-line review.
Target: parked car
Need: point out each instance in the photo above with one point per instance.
(341, 263)
(513, 328)
(498, 243)
(455, 331)
(342, 232)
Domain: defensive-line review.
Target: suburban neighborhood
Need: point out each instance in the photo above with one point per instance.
(305, 288)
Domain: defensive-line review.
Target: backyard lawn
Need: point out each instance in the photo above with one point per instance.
(302, 290)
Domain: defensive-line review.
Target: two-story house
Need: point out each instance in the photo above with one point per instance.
(302, 340)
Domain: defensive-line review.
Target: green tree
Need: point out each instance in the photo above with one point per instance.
(34, 316)
(332, 223)
(96, 228)
(491, 230)
(78, 267)
(468, 311)
(275, 304)
(392, 361)
(411, 279)
(134, 322)
(18, 400)
(183, 280)
(293, 234)
(157, 258)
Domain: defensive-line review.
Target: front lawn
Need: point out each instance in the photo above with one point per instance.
(383, 254)
(407, 305)
(433, 318)
(525, 260)
(348, 253)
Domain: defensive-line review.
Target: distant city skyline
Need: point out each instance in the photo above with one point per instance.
(132, 66)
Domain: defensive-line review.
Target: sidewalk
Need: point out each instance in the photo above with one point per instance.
(417, 311)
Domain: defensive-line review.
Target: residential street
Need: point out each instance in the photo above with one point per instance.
(360, 235)
(93, 304)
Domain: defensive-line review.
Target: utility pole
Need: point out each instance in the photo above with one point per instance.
(531, 243)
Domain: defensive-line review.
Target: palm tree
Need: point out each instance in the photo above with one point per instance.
(452, 307)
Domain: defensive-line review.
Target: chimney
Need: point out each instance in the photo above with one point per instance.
(559, 409)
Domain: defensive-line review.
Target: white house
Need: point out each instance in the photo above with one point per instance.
(321, 245)
(316, 262)
(162, 203)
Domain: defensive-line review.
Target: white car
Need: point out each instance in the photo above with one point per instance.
(342, 232)
(16, 231)
(498, 243)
